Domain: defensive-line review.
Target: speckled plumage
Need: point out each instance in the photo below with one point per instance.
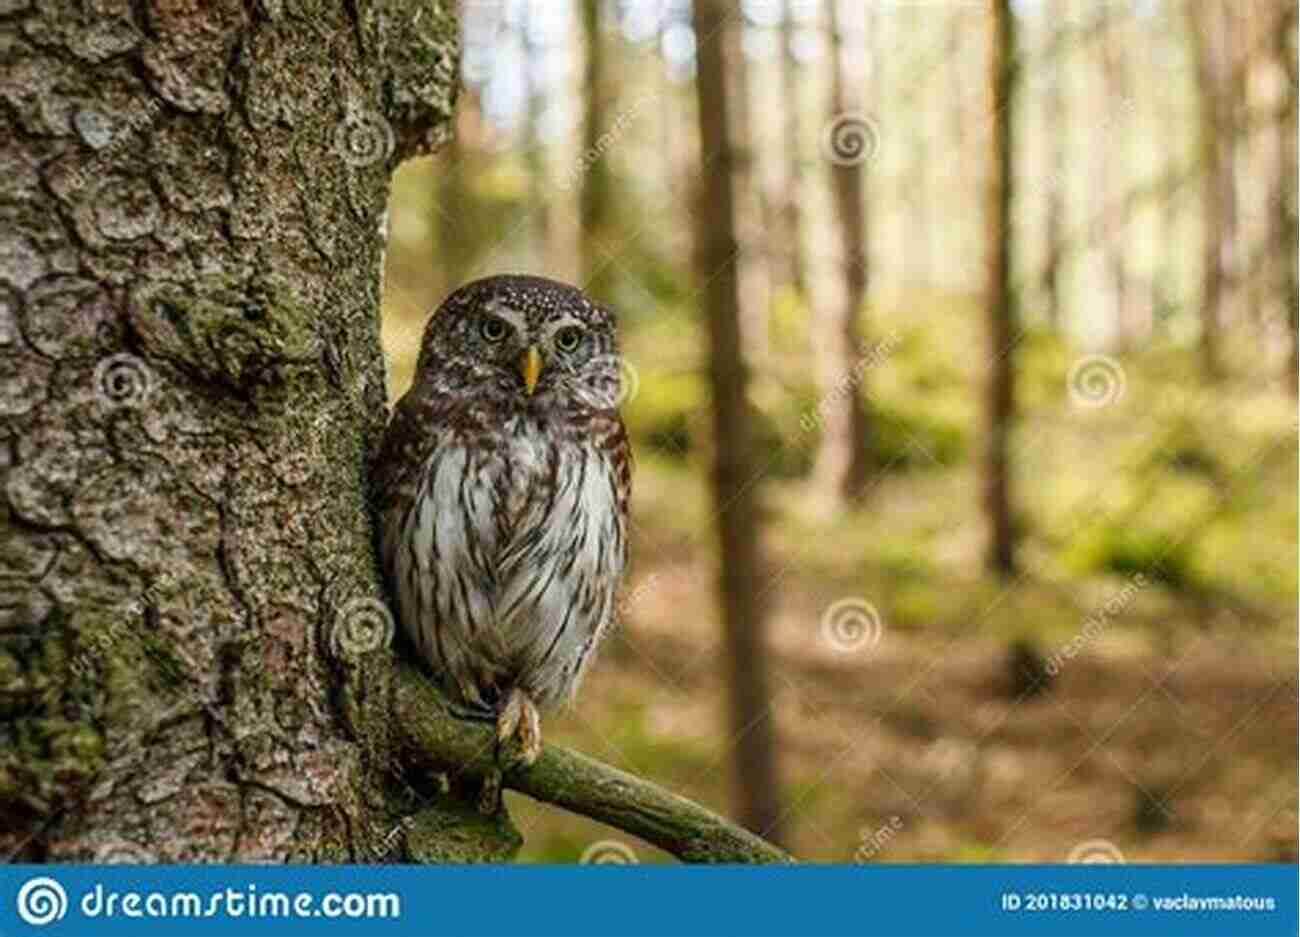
(503, 511)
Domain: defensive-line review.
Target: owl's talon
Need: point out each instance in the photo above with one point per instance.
(519, 720)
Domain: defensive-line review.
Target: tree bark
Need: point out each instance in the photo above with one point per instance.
(999, 399)
(1112, 171)
(735, 472)
(841, 468)
(192, 387)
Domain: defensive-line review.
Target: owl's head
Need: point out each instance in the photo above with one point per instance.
(525, 341)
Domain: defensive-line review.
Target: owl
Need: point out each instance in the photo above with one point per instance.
(502, 488)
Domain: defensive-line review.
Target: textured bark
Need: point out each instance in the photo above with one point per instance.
(735, 471)
(999, 400)
(191, 387)
(841, 468)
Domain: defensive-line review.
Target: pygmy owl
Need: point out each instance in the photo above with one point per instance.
(503, 486)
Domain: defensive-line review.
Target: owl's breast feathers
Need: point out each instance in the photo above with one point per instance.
(504, 542)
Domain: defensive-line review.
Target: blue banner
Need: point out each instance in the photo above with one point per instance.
(607, 900)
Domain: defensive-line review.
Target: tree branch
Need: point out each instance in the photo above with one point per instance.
(436, 739)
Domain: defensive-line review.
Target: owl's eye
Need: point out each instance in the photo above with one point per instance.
(492, 329)
(568, 338)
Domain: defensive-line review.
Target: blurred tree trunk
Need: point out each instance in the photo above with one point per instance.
(1206, 20)
(1112, 171)
(792, 206)
(1055, 128)
(736, 472)
(999, 389)
(841, 467)
(541, 187)
(192, 389)
(595, 203)
(458, 238)
(753, 264)
(1284, 210)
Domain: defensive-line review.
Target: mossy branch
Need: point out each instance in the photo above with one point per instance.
(435, 739)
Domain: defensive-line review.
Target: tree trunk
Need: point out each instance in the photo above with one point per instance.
(1204, 23)
(735, 470)
(1055, 127)
(192, 389)
(595, 198)
(841, 468)
(999, 401)
(791, 203)
(1112, 170)
(1284, 211)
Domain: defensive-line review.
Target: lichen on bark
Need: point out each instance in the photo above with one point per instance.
(191, 388)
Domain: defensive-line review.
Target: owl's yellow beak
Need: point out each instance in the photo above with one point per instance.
(530, 368)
